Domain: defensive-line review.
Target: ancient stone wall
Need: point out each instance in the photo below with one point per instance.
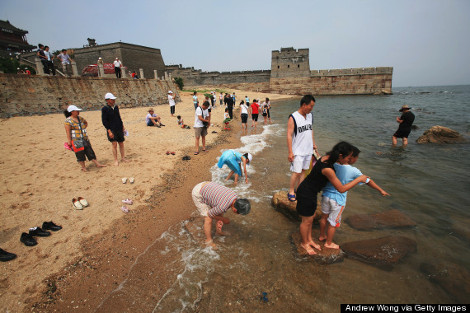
(289, 62)
(28, 95)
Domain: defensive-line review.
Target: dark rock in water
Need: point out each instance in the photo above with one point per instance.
(286, 207)
(325, 256)
(414, 127)
(454, 279)
(388, 219)
(440, 134)
(383, 252)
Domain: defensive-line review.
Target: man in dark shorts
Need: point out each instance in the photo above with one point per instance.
(111, 119)
(405, 120)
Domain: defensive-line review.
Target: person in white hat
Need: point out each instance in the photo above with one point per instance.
(117, 67)
(115, 130)
(171, 102)
(234, 160)
(77, 138)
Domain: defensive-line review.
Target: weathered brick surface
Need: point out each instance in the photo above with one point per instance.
(27, 95)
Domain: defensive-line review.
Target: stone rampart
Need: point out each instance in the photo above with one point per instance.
(353, 71)
(28, 95)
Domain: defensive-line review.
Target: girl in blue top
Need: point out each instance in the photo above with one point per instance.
(233, 160)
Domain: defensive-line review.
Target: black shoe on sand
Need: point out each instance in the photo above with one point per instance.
(6, 256)
(28, 240)
(51, 226)
(37, 231)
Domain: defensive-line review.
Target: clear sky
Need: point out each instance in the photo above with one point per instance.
(426, 41)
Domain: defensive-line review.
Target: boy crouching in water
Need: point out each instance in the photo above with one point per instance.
(334, 202)
(212, 201)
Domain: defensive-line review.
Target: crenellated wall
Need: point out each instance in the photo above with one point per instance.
(31, 94)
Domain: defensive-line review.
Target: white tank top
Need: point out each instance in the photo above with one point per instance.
(302, 142)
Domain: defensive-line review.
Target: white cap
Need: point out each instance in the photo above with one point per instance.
(250, 157)
(73, 108)
(117, 58)
(169, 91)
(109, 96)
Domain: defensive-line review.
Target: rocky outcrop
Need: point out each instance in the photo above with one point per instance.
(286, 207)
(383, 252)
(454, 279)
(440, 134)
(325, 256)
(387, 219)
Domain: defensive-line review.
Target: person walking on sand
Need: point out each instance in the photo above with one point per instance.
(322, 172)
(334, 202)
(201, 123)
(300, 143)
(77, 138)
(111, 119)
(212, 201)
(171, 102)
(244, 116)
(254, 113)
(404, 129)
(195, 100)
(234, 161)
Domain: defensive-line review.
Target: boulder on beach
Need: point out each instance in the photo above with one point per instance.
(388, 219)
(453, 278)
(325, 256)
(286, 207)
(383, 252)
(440, 134)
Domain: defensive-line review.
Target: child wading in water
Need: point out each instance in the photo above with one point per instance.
(181, 123)
(321, 173)
(227, 119)
(334, 202)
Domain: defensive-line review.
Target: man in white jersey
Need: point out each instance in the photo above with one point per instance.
(300, 143)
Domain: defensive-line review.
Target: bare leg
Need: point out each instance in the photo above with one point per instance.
(394, 141)
(229, 175)
(82, 164)
(204, 143)
(405, 142)
(236, 179)
(295, 180)
(207, 231)
(121, 149)
(306, 234)
(323, 223)
(197, 145)
(329, 238)
(114, 143)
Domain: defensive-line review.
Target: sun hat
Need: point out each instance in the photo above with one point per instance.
(109, 96)
(405, 107)
(250, 157)
(243, 206)
(73, 108)
(169, 91)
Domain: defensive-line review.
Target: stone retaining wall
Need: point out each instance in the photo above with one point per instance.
(28, 95)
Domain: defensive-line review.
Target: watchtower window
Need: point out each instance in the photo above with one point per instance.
(278, 66)
(298, 65)
(288, 66)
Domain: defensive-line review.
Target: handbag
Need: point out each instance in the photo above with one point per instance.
(79, 144)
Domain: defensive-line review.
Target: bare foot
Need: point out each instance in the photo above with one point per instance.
(322, 238)
(84, 169)
(314, 245)
(100, 165)
(116, 163)
(211, 244)
(309, 249)
(123, 160)
(332, 246)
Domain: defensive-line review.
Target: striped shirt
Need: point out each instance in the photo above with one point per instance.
(219, 198)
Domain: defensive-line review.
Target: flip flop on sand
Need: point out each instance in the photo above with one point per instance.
(173, 152)
(131, 180)
(124, 209)
(168, 152)
(82, 201)
(124, 180)
(76, 204)
(127, 201)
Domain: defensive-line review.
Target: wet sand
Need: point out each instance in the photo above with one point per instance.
(78, 266)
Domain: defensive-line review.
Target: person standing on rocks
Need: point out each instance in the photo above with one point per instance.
(212, 201)
(404, 129)
(334, 202)
(111, 119)
(300, 143)
(117, 67)
(171, 101)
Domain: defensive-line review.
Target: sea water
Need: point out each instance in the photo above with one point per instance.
(256, 268)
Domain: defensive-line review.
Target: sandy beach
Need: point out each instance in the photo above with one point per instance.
(76, 266)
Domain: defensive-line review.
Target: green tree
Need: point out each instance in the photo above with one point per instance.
(179, 82)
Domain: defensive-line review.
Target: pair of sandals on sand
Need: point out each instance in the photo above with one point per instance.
(79, 203)
(131, 180)
(124, 208)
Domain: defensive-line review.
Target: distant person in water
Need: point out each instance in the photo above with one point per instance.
(212, 201)
(322, 172)
(406, 121)
(236, 162)
(334, 202)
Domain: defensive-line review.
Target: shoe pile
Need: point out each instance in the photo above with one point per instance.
(28, 238)
(6, 256)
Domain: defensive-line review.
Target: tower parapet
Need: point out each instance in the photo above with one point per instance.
(290, 62)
